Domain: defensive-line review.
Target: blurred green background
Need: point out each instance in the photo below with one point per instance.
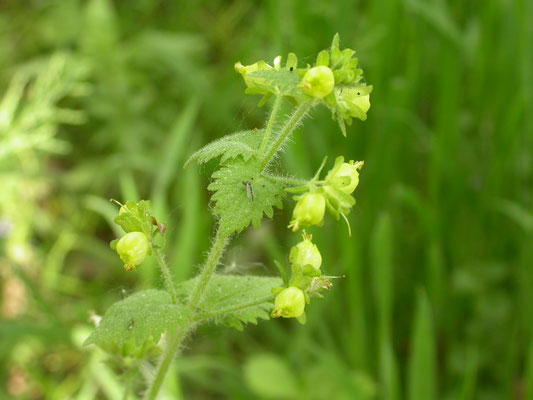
(103, 99)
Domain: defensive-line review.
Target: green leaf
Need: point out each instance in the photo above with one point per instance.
(136, 217)
(242, 195)
(139, 318)
(233, 300)
(243, 144)
(284, 80)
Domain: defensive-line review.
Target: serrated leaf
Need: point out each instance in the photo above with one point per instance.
(285, 81)
(139, 318)
(242, 195)
(243, 144)
(234, 300)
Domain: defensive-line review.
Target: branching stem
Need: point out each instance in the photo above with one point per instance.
(166, 360)
(217, 249)
(165, 270)
(286, 180)
(287, 129)
(219, 243)
(177, 337)
(270, 123)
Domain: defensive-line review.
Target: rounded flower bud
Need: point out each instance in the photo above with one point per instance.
(354, 102)
(363, 102)
(318, 82)
(309, 210)
(337, 176)
(133, 248)
(306, 253)
(289, 303)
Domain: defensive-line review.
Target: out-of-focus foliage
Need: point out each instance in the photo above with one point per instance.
(103, 99)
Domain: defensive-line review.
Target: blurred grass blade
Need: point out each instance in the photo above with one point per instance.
(188, 240)
(422, 366)
(106, 210)
(128, 187)
(516, 212)
(382, 267)
(172, 153)
(382, 270)
(436, 14)
(268, 375)
(468, 391)
(529, 373)
(55, 258)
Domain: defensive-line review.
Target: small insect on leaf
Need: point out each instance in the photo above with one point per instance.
(131, 325)
(249, 190)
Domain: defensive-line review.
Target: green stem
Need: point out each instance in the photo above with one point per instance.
(215, 254)
(213, 258)
(270, 123)
(287, 129)
(287, 180)
(175, 340)
(233, 309)
(166, 272)
(168, 356)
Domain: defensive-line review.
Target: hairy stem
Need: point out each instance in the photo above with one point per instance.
(168, 356)
(286, 180)
(287, 129)
(219, 243)
(270, 123)
(164, 269)
(177, 337)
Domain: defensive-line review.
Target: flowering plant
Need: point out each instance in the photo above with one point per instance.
(246, 188)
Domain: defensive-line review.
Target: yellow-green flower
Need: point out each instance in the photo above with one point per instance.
(289, 303)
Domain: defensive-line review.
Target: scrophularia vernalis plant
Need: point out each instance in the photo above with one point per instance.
(246, 187)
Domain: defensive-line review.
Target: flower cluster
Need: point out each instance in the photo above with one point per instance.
(306, 281)
(334, 194)
(334, 80)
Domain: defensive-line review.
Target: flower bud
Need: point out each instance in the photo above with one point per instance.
(133, 248)
(289, 303)
(309, 210)
(337, 177)
(318, 82)
(255, 84)
(354, 102)
(306, 253)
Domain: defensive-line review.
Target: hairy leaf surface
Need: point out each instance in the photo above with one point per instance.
(138, 318)
(243, 144)
(234, 300)
(286, 81)
(242, 195)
